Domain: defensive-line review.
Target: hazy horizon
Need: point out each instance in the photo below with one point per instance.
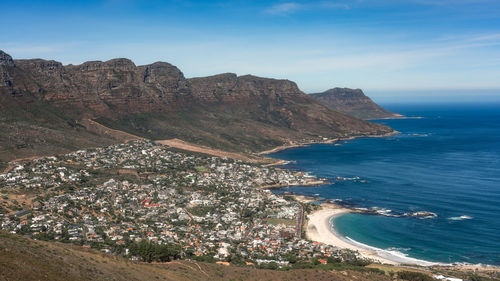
(435, 96)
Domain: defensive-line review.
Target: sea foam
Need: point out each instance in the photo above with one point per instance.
(392, 253)
(464, 217)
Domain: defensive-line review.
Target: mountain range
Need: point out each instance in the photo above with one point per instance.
(47, 107)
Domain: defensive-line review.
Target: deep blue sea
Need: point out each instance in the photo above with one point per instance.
(447, 163)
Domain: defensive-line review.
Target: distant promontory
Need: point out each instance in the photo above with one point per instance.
(353, 102)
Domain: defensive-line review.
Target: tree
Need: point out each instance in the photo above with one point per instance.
(149, 252)
(414, 276)
(272, 265)
(292, 258)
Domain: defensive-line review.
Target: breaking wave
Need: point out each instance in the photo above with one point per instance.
(464, 217)
(391, 253)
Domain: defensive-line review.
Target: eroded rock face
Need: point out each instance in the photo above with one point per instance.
(261, 112)
(5, 59)
(229, 88)
(5, 62)
(117, 87)
(353, 102)
(93, 89)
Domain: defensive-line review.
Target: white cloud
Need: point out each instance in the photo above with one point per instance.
(284, 8)
(436, 64)
(315, 62)
(333, 5)
(485, 37)
(452, 2)
(288, 8)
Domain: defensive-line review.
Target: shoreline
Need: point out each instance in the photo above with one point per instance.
(397, 116)
(319, 228)
(280, 186)
(328, 141)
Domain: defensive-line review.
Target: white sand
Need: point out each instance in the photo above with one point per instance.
(319, 229)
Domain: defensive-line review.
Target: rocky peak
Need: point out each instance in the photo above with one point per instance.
(160, 65)
(269, 84)
(218, 79)
(6, 62)
(6, 59)
(40, 65)
(159, 72)
(345, 92)
(215, 88)
(119, 64)
(353, 102)
(229, 87)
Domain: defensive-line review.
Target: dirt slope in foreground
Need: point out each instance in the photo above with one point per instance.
(25, 259)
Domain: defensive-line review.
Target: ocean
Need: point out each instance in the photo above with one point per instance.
(447, 163)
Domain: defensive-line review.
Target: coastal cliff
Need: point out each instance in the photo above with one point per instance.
(239, 113)
(353, 102)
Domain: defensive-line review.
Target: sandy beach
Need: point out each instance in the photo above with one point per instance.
(318, 229)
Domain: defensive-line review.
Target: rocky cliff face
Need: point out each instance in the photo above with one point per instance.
(156, 101)
(229, 87)
(6, 62)
(275, 101)
(353, 102)
(95, 89)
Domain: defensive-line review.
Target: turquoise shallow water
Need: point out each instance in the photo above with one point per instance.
(447, 163)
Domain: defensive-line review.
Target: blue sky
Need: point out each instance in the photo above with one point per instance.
(382, 46)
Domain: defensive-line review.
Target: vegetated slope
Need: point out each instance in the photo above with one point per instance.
(30, 127)
(47, 102)
(353, 102)
(33, 126)
(26, 259)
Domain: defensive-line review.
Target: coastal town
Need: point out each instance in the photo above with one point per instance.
(127, 197)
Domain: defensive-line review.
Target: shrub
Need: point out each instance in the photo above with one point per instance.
(414, 276)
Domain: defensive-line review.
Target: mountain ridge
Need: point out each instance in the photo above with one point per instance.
(353, 102)
(225, 111)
